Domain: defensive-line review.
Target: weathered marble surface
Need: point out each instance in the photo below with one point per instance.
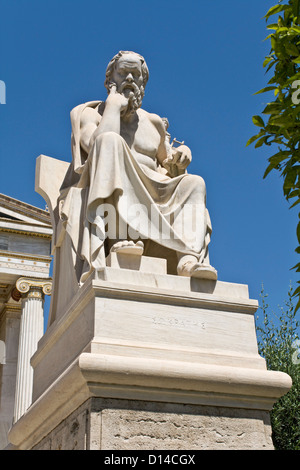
(105, 424)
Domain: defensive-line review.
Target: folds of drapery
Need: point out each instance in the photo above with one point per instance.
(148, 204)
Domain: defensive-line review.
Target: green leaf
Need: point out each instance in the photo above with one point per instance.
(295, 204)
(271, 65)
(292, 49)
(260, 142)
(297, 306)
(267, 88)
(258, 121)
(267, 171)
(295, 193)
(297, 268)
(281, 121)
(267, 61)
(272, 108)
(273, 41)
(255, 137)
(289, 183)
(296, 7)
(296, 291)
(282, 29)
(292, 79)
(275, 160)
(296, 29)
(279, 157)
(273, 26)
(298, 232)
(275, 9)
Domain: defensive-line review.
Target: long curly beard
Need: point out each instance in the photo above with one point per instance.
(134, 101)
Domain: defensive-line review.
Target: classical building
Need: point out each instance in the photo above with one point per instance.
(25, 246)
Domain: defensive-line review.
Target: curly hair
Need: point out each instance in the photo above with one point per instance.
(111, 65)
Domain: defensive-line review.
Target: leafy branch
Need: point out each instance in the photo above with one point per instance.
(280, 124)
(278, 343)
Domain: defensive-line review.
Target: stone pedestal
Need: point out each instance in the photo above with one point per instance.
(146, 360)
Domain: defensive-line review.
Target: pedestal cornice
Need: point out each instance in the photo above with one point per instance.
(156, 380)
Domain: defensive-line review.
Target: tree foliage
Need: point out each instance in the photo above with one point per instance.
(279, 344)
(280, 124)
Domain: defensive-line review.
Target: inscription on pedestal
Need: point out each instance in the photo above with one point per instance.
(176, 322)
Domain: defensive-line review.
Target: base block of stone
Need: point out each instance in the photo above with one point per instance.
(108, 403)
(109, 424)
(144, 360)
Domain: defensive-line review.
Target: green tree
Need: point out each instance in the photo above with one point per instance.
(279, 344)
(280, 124)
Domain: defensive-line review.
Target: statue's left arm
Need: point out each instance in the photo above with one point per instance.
(168, 156)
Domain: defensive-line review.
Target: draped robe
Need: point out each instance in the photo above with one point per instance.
(110, 176)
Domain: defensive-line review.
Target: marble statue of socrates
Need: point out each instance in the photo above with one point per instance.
(128, 188)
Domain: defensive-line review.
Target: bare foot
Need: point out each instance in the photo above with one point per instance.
(128, 247)
(192, 268)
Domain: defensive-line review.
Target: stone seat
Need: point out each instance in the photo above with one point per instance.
(50, 175)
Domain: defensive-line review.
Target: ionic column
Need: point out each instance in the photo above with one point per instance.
(31, 331)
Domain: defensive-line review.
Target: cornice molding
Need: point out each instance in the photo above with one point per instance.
(26, 256)
(21, 207)
(26, 232)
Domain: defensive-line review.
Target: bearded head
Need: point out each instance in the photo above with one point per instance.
(137, 92)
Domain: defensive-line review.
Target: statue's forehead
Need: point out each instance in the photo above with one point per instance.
(129, 60)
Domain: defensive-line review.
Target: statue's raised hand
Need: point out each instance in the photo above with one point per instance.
(116, 99)
(115, 105)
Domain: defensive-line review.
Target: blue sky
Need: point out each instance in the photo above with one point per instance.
(205, 61)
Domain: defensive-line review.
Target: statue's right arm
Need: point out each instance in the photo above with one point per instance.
(89, 122)
(93, 124)
(111, 117)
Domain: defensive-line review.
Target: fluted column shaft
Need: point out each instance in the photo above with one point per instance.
(31, 331)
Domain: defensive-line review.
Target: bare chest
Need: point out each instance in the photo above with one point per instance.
(142, 137)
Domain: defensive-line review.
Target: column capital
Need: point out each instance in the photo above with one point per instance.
(34, 287)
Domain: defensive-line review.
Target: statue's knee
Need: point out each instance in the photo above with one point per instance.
(197, 182)
(107, 136)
